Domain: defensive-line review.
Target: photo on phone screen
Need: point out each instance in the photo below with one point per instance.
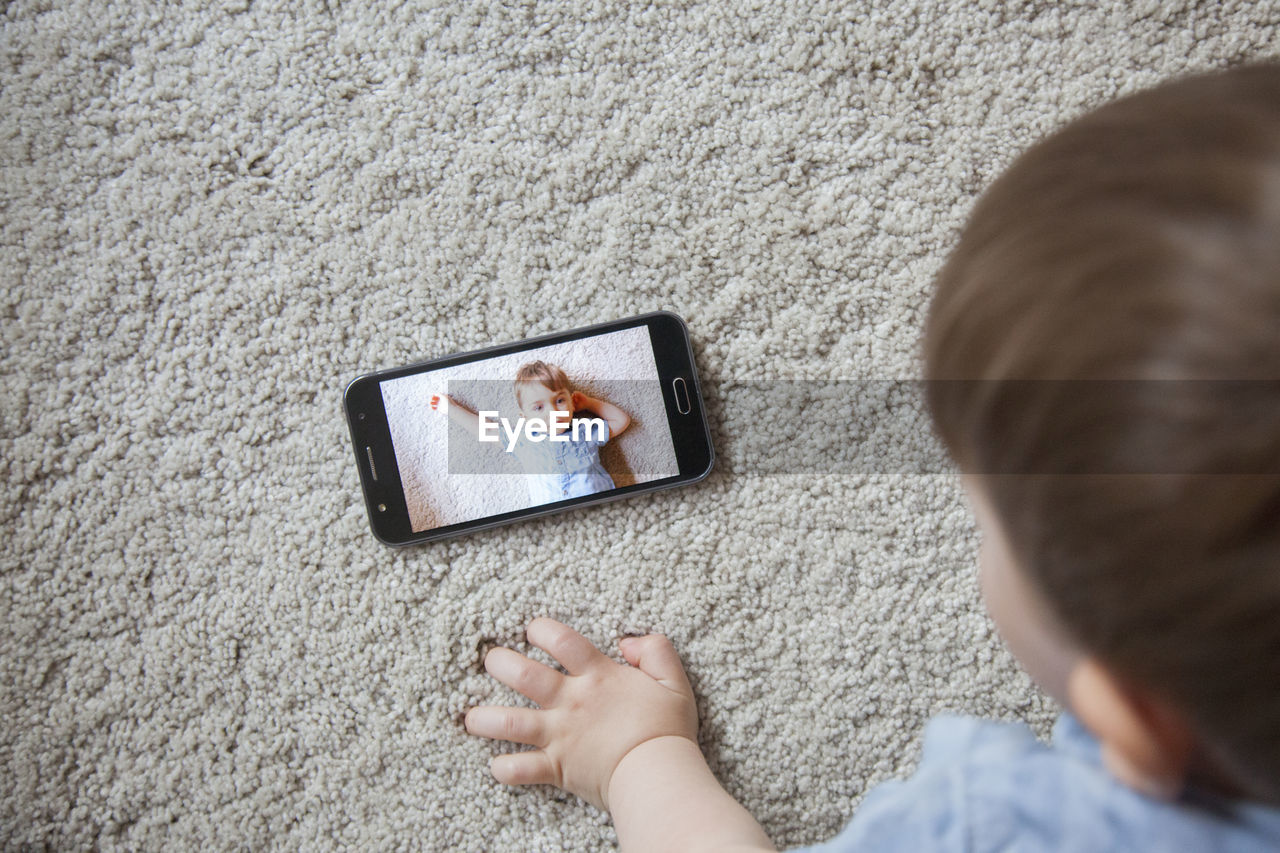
(449, 475)
(481, 438)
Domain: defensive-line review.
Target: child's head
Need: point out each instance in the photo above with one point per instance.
(541, 389)
(1141, 242)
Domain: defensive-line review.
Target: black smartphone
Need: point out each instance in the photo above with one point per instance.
(483, 438)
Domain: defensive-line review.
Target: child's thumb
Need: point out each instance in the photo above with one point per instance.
(654, 655)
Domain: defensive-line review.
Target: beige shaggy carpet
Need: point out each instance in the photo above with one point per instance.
(214, 214)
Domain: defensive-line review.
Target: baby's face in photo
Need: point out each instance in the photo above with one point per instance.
(537, 402)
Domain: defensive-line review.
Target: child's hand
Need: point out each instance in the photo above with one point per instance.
(589, 718)
(580, 401)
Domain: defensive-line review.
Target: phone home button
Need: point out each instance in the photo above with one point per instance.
(682, 395)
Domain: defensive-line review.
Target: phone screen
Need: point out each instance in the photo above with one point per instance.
(504, 433)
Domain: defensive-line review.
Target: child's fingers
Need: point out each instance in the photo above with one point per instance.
(524, 768)
(537, 681)
(574, 651)
(518, 725)
(435, 401)
(656, 657)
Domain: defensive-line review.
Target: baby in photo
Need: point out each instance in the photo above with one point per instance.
(560, 457)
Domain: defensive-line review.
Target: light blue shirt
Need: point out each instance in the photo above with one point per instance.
(559, 470)
(986, 786)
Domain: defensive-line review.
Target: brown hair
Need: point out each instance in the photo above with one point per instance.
(547, 375)
(1140, 243)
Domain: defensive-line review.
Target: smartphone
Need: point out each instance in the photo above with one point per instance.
(478, 439)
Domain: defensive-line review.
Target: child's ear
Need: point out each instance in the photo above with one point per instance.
(1146, 743)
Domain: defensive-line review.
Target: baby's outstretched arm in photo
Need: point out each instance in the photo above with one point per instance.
(458, 413)
(624, 738)
(616, 418)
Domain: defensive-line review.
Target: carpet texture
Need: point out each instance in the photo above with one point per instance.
(215, 214)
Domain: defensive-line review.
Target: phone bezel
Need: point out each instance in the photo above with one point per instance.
(367, 423)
